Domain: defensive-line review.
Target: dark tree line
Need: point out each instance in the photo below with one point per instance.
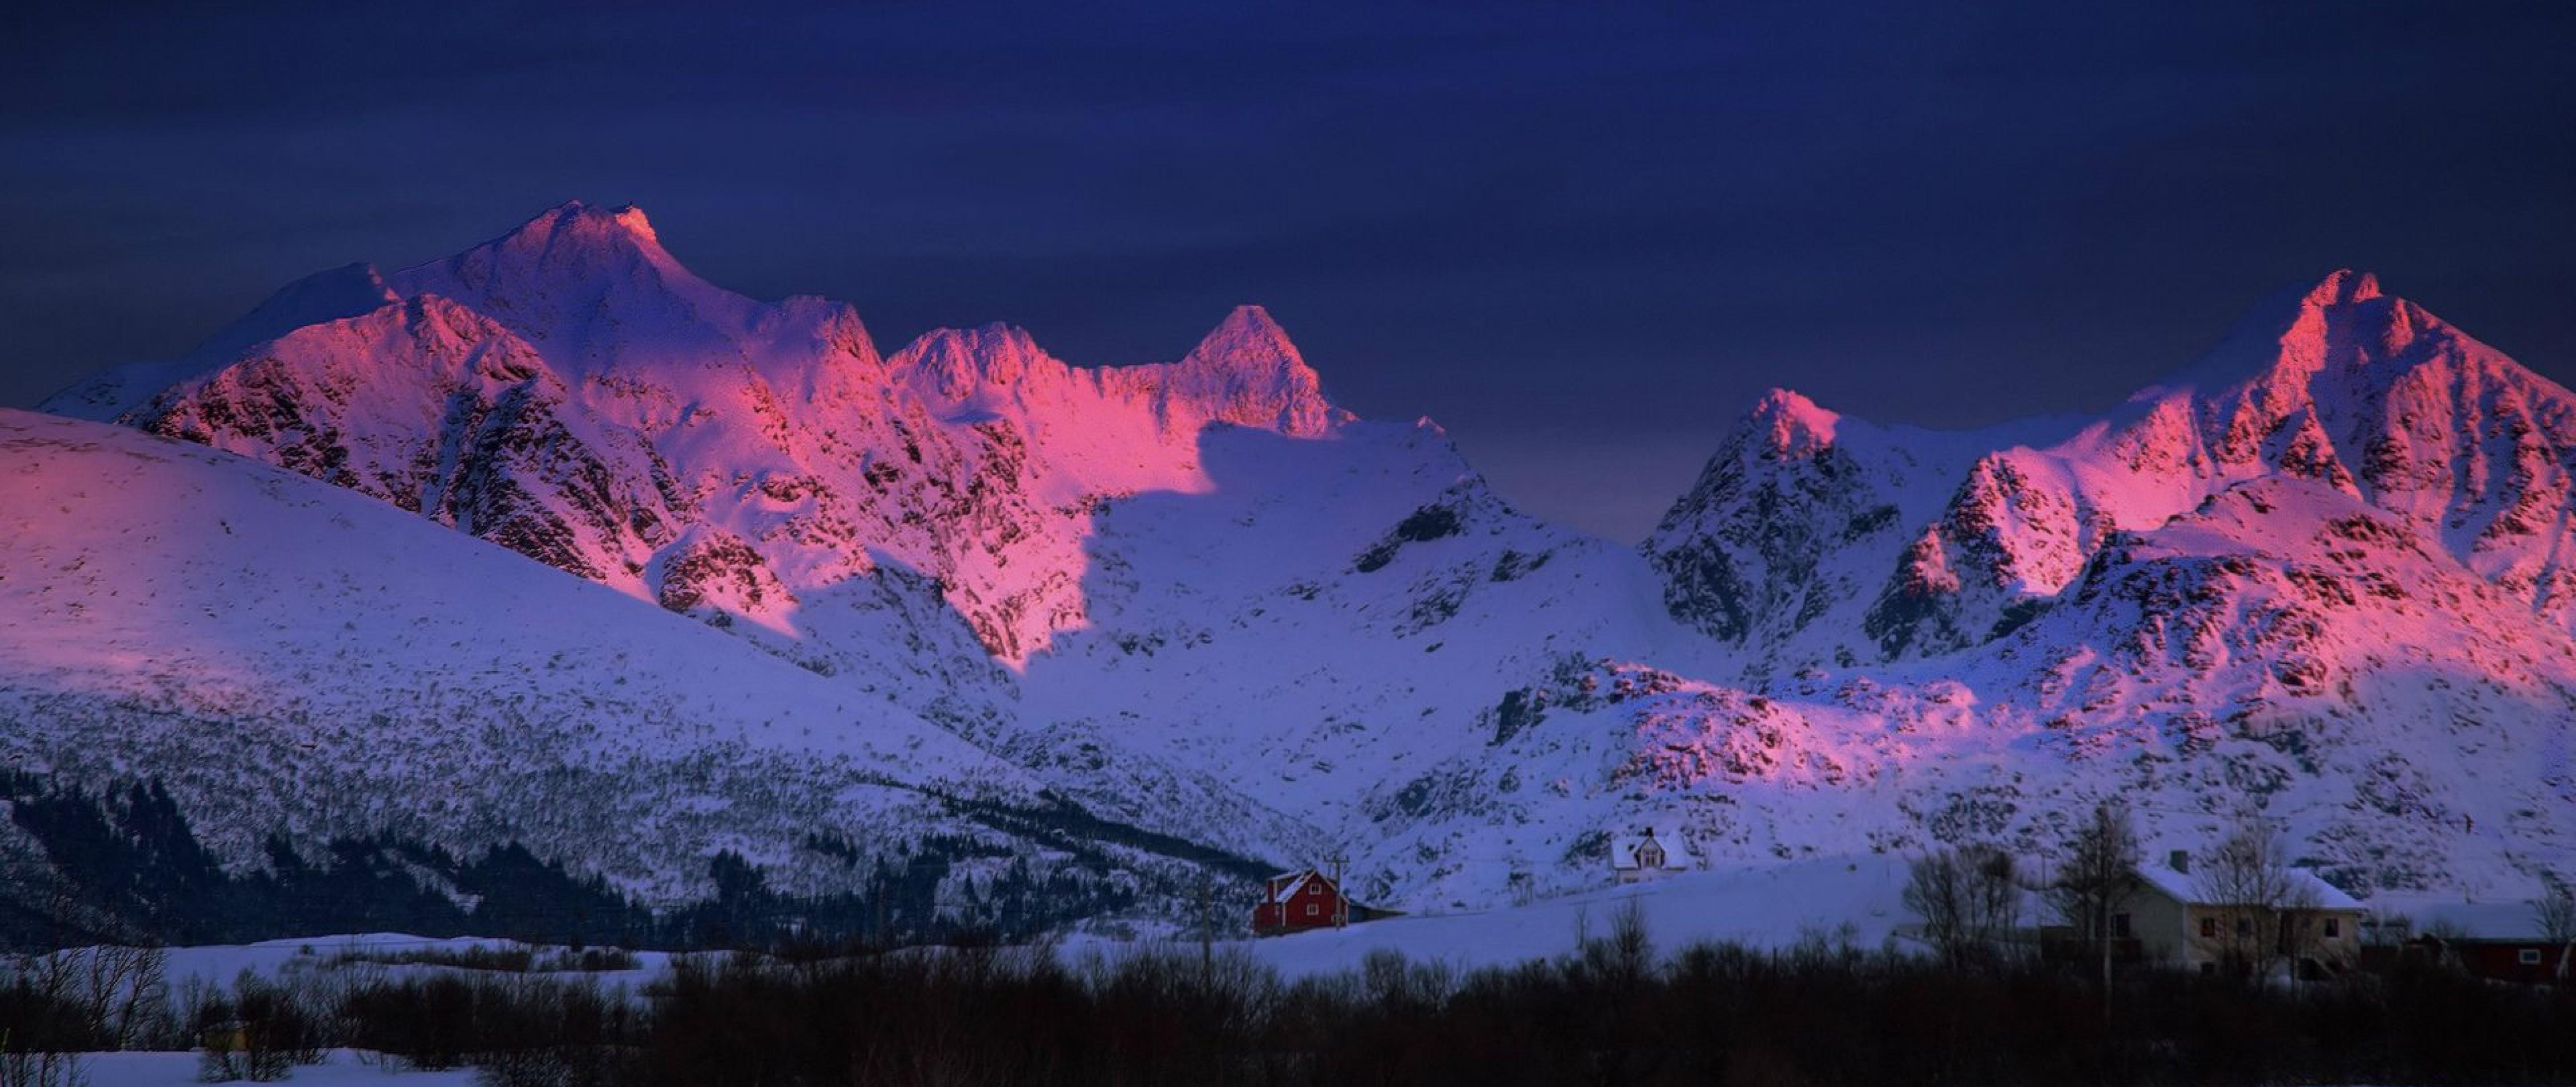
(1611, 1012)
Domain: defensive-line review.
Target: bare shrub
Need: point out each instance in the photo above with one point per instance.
(1967, 900)
(259, 1031)
(2263, 907)
(2101, 863)
(2554, 914)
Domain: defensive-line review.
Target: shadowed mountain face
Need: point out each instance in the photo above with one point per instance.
(2318, 575)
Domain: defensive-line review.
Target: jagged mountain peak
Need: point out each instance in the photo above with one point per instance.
(1786, 423)
(632, 218)
(2354, 361)
(2345, 321)
(1250, 344)
(957, 361)
(572, 238)
(1248, 333)
(574, 218)
(1247, 372)
(590, 286)
(985, 340)
(2343, 287)
(1218, 631)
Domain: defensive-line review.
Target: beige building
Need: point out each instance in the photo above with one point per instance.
(2179, 919)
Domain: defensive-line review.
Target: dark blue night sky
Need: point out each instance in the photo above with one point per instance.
(1584, 237)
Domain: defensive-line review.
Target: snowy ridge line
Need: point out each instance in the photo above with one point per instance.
(2314, 576)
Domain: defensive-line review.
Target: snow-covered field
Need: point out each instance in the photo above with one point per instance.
(1837, 901)
(1763, 906)
(220, 964)
(1767, 906)
(340, 1068)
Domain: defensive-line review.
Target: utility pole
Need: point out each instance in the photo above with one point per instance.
(2102, 936)
(1207, 937)
(1341, 894)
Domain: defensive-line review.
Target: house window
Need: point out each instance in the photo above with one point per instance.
(1310, 909)
(2245, 926)
(2529, 956)
(2334, 928)
(2209, 928)
(2120, 926)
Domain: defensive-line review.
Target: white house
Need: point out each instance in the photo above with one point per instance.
(1648, 854)
(2176, 917)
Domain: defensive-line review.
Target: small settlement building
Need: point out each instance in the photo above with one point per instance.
(2178, 918)
(1647, 855)
(2491, 941)
(1309, 899)
(1296, 901)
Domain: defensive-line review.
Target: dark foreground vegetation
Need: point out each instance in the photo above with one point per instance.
(1822, 1012)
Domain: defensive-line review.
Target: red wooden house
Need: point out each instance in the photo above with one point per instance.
(2529, 960)
(1297, 901)
(2496, 941)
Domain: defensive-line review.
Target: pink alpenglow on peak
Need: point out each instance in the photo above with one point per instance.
(1246, 372)
(1792, 425)
(570, 391)
(2288, 337)
(632, 218)
(2343, 287)
(576, 217)
(574, 228)
(593, 289)
(957, 362)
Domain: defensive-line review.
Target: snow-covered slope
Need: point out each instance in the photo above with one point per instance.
(2317, 577)
(291, 657)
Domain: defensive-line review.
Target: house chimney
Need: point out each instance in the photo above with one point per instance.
(2180, 859)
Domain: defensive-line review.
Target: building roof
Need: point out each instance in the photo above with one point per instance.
(1296, 881)
(1623, 851)
(2500, 921)
(2185, 887)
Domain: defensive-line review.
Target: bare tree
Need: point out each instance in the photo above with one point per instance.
(117, 989)
(2264, 910)
(42, 1027)
(258, 1032)
(38, 1068)
(1936, 892)
(2101, 864)
(2387, 929)
(1626, 958)
(2555, 914)
(1967, 899)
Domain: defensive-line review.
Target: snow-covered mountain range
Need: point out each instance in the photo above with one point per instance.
(797, 581)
